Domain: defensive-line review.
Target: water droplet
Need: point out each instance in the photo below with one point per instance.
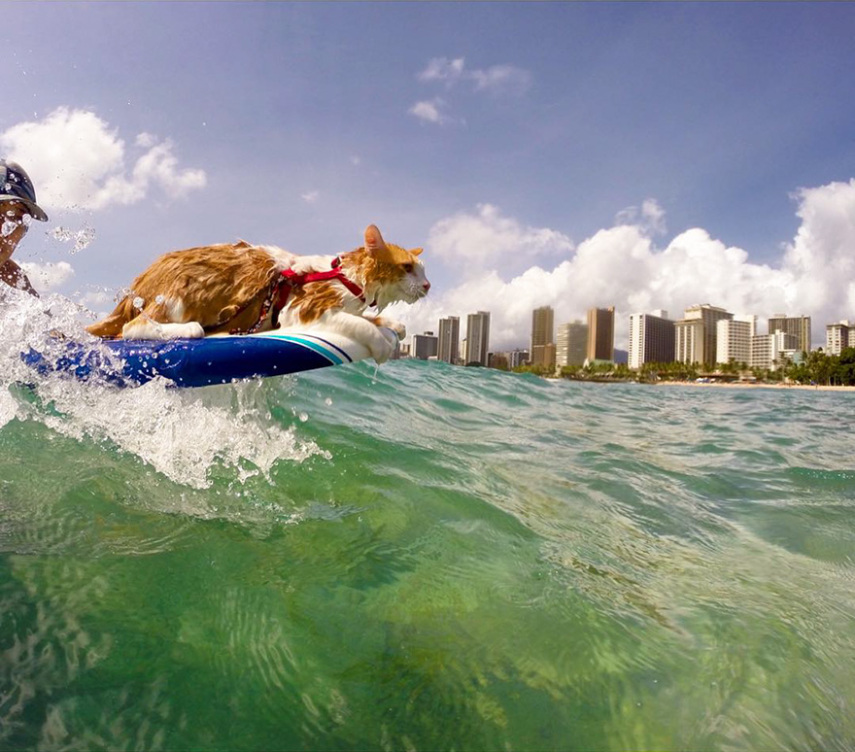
(82, 238)
(303, 417)
(138, 302)
(328, 401)
(160, 300)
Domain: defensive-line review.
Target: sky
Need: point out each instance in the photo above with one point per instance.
(637, 155)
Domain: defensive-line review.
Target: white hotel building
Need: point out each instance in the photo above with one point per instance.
(837, 337)
(733, 339)
(772, 350)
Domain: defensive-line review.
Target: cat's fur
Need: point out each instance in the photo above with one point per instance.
(224, 288)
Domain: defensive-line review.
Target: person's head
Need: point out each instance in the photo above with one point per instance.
(17, 195)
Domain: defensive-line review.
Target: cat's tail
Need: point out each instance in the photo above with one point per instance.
(111, 327)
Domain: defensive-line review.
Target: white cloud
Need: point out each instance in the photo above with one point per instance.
(470, 240)
(500, 79)
(430, 111)
(650, 216)
(77, 161)
(497, 78)
(443, 69)
(145, 140)
(621, 266)
(99, 301)
(45, 277)
(310, 197)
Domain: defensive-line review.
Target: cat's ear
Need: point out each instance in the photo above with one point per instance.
(416, 251)
(374, 240)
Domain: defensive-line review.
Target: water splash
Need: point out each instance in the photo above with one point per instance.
(183, 434)
(82, 238)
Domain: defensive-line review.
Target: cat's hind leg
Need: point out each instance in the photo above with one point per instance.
(109, 327)
(152, 323)
(144, 328)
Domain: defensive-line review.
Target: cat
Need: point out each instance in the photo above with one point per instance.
(242, 288)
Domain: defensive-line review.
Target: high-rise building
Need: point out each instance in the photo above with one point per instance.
(651, 339)
(517, 358)
(768, 350)
(601, 333)
(837, 336)
(449, 339)
(799, 326)
(477, 337)
(542, 326)
(695, 338)
(689, 341)
(542, 345)
(544, 355)
(425, 345)
(733, 339)
(571, 344)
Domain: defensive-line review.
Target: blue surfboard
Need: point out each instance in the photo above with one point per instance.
(219, 359)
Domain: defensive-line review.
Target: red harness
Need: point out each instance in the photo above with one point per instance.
(280, 290)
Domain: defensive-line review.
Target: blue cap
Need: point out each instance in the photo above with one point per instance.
(15, 185)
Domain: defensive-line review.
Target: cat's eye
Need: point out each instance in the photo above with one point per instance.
(408, 268)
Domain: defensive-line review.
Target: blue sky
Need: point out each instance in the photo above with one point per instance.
(536, 150)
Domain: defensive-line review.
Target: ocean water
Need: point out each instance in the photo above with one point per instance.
(424, 557)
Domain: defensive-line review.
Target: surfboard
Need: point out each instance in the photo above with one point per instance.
(219, 359)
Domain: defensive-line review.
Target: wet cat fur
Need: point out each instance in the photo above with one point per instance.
(223, 288)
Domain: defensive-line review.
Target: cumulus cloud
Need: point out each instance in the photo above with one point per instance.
(98, 301)
(430, 111)
(649, 216)
(443, 69)
(77, 161)
(473, 239)
(501, 79)
(622, 266)
(46, 277)
(497, 80)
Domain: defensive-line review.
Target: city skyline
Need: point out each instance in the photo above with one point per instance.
(706, 335)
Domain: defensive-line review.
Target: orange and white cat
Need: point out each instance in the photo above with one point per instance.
(241, 288)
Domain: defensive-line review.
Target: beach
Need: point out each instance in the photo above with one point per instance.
(751, 385)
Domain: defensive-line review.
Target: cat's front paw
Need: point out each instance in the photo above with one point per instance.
(395, 326)
(384, 346)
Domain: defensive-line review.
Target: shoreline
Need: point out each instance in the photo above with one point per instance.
(716, 384)
(748, 385)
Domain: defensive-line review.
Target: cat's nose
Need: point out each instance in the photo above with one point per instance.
(426, 287)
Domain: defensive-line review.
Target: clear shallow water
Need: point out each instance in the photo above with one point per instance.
(425, 558)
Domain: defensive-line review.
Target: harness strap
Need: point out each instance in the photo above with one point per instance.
(280, 290)
(290, 279)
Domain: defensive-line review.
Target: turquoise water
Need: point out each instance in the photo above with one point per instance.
(426, 557)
